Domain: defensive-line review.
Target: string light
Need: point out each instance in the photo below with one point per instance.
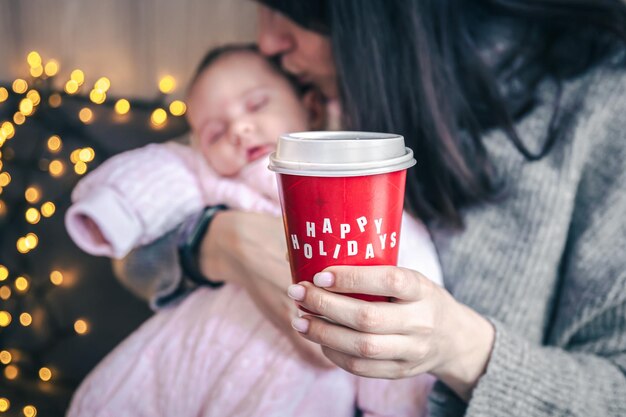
(36, 71)
(45, 374)
(80, 167)
(56, 277)
(54, 143)
(97, 96)
(78, 76)
(11, 372)
(74, 155)
(47, 209)
(19, 118)
(103, 84)
(122, 106)
(5, 404)
(4, 94)
(55, 100)
(5, 357)
(31, 240)
(3, 207)
(71, 87)
(5, 318)
(21, 245)
(26, 319)
(158, 117)
(29, 411)
(5, 179)
(167, 84)
(86, 154)
(33, 95)
(81, 326)
(56, 168)
(7, 130)
(20, 86)
(34, 59)
(51, 68)
(32, 215)
(21, 284)
(178, 108)
(5, 292)
(32, 194)
(85, 115)
(4, 273)
(26, 106)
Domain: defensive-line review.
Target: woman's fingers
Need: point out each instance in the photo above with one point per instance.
(372, 368)
(351, 342)
(364, 316)
(399, 283)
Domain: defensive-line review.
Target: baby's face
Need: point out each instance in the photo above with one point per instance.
(238, 108)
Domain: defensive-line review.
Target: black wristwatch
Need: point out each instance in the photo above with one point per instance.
(191, 237)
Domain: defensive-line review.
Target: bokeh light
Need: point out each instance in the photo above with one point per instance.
(56, 277)
(47, 209)
(32, 194)
(167, 84)
(32, 215)
(51, 68)
(20, 86)
(26, 319)
(85, 115)
(158, 117)
(81, 326)
(178, 108)
(56, 168)
(54, 143)
(21, 284)
(78, 76)
(45, 374)
(122, 106)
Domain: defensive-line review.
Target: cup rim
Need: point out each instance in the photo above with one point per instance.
(355, 169)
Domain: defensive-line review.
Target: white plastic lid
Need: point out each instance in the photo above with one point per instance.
(340, 154)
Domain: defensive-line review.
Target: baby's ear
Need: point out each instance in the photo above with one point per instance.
(314, 103)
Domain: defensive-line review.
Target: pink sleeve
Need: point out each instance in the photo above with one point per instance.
(133, 198)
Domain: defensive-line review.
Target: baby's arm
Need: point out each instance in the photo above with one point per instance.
(139, 195)
(133, 198)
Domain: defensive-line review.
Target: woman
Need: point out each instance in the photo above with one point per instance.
(515, 110)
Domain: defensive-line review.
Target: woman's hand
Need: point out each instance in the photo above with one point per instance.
(423, 329)
(249, 249)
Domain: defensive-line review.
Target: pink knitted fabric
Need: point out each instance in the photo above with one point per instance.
(215, 354)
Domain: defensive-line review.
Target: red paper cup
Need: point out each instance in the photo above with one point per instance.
(342, 195)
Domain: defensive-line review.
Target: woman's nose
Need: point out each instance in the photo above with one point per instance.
(274, 37)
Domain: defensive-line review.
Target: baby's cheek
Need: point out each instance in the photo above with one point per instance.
(224, 162)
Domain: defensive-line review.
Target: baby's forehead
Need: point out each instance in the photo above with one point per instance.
(247, 61)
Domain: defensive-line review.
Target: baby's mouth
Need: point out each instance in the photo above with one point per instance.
(257, 152)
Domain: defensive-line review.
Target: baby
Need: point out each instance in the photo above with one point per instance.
(215, 354)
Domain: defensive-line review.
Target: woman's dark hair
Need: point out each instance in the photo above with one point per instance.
(417, 67)
(221, 51)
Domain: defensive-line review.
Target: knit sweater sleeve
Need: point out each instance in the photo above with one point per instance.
(580, 369)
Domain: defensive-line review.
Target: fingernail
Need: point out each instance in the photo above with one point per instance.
(299, 324)
(324, 279)
(296, 292)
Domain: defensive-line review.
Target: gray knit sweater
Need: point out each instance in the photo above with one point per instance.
(546, 264)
